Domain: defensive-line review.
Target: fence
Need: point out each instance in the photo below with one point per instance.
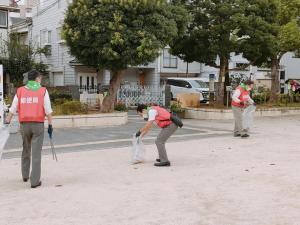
(133, 95)
(89, 89)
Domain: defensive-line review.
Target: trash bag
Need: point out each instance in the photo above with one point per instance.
(138, 150)
(248, 115)
(14, 126)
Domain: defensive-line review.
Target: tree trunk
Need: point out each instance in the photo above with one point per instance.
(275, 80)
(226, 83)
(220, 91)
(109, 101)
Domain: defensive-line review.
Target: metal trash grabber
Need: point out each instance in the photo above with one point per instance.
(52, 149)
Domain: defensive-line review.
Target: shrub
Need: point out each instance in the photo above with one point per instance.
(176, 107)
(71, 108)
(261, 98)
(121, 107)
(59, 95)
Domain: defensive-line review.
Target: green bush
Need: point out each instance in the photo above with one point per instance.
(176, 107)
(261, 98)
(121, 107)
(284, 98)
(60, 95)
(71, 108)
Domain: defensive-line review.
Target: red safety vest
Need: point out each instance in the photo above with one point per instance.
(163, 117)
(31, 105)
(244, 96)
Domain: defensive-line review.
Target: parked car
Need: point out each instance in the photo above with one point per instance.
(189, 85)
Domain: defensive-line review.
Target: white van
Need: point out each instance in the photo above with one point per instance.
(189, 85)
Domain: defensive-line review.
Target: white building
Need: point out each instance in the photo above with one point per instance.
(45, 31)
(47, 20)
(8, 13)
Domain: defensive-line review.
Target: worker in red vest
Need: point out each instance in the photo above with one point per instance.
(240, 100)
(162, 118)
(32, 103)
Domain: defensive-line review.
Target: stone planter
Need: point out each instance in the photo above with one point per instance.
(179, 114)
(90, 120)
(225, 114)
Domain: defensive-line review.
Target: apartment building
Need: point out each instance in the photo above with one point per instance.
(44, 30)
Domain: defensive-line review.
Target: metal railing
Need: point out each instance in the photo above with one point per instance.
(136, 94)
(88, 89)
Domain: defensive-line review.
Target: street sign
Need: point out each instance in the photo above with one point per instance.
(1, 97)
(228, 88)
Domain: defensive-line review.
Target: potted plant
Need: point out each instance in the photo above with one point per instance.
(177, 109)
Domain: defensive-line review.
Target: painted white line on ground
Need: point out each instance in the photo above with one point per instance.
(79, 144)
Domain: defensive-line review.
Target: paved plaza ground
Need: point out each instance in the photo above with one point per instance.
(215, 179)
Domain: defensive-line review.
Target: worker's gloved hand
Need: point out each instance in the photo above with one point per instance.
(50, 130)
(138, 133)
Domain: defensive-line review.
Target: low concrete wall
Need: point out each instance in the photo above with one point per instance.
(91, 120)
(225, 114)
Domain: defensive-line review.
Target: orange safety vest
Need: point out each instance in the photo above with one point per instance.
(31, 105)
(243, 97)
(163, 117)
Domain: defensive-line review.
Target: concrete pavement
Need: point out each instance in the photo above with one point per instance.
(85, 139)
(219, 180)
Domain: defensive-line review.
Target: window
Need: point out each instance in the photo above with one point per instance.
(93, 82)
(59, 36)
(3, 19)
(45, 37)
(58, 31)
(36, 41)
(241, 65)
(173, 82)
(179, 83)
(282, 75)
(169, 61)
(199, 84)
(184, 84)
(88, 82)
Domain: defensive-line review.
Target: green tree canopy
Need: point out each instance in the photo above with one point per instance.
(271, 28)
(18, 59)
(115, 34)
(211, 35)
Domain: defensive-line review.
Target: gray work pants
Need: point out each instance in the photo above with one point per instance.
(161, 140)
(33, 138)
(238, 121)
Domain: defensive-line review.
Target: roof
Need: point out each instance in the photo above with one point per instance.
(75, 62)
(10, 8)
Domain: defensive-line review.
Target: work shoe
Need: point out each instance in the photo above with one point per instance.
(35, 186)
(25, 179)
(162, 164)
(245, 135)
(236, 135)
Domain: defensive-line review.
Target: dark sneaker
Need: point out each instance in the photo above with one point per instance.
(35, 186)
(157, 160)
(245, 135)
(236, 135)
(25, 179)
(162, 164)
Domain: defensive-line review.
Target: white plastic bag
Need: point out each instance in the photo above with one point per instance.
(138, 150)
(248, 115)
